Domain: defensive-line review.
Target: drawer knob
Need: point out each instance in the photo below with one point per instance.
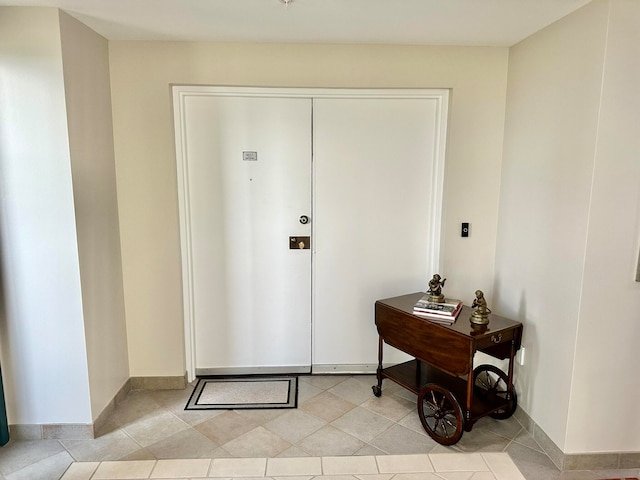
(496, 338)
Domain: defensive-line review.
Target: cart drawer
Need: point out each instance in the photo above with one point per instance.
(493, 339)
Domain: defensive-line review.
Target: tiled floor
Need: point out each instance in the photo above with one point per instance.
(434, 466)
(337, 415)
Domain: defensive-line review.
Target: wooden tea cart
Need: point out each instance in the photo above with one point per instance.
(452, 395)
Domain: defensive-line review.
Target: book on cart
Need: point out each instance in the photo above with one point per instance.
(449, 308)
(442, 319)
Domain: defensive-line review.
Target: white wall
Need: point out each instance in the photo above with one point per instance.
(563, 244)
(141, 73)
(606, 386)
(43, 347)
(85, 57)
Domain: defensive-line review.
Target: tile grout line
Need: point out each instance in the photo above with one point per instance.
(210, 469)
(487, 464)
(155, 465)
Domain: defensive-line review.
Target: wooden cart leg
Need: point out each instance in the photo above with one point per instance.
(377, 389)
(468, 424)
(510, 371)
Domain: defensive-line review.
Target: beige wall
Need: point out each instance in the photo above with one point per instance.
(63, 329)
(44, 359)
(568, 225)
(85, 57)
(141, 73)
(606, 386)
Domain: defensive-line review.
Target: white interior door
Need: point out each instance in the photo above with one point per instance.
(247, 176)
(244, 173)
(377, 177)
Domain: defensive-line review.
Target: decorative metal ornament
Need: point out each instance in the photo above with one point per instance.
(435, 289)
(480, 315)
(478, 329)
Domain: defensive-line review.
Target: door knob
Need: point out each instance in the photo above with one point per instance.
(304, 219)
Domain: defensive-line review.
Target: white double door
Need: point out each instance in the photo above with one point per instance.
(253, 166)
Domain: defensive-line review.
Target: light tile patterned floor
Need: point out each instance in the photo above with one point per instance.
(437, 466)
(337, 415)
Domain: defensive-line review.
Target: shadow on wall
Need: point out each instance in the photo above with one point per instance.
(523, 377)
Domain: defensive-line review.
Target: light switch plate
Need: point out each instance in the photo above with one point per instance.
(520, 356)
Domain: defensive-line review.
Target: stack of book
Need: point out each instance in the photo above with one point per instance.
(445, 312)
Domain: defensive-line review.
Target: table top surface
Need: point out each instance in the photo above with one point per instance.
(462, 325)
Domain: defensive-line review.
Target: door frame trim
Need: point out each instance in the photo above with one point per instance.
(181, 92)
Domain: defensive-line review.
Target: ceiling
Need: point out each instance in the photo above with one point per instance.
(407, 22)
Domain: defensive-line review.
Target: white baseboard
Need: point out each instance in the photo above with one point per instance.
(252, 370)
(367, 368)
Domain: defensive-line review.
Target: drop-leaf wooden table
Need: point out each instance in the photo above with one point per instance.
(452, 395)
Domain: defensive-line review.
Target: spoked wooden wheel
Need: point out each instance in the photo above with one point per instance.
(492, 384)
(440, 414)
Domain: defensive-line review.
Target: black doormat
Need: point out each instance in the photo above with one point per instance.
(233, 393)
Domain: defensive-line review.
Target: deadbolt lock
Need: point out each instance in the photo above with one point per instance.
(299, 243)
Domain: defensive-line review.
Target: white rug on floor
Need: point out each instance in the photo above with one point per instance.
(244, 393)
